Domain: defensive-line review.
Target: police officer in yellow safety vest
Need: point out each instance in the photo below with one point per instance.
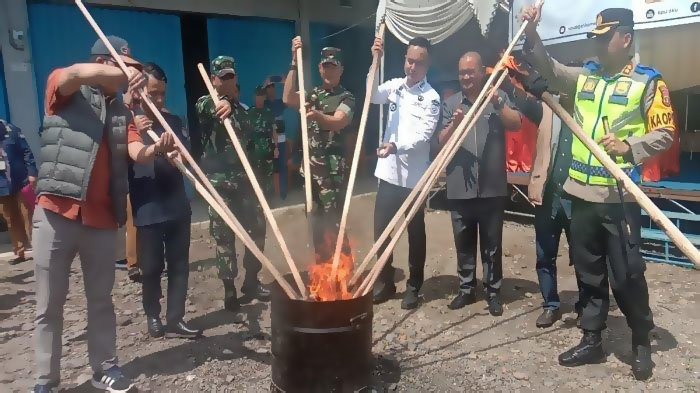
(605, 234)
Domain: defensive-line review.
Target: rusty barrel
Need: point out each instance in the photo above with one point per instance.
(321, 346)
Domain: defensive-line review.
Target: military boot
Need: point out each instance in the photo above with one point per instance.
(642, 366)
(588, 351)
(230, 298)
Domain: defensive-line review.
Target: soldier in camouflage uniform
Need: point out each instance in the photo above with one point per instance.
(330, 108)
(226, 173)
(262, 146)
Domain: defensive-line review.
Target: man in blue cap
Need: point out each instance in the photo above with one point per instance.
(82, 188)
(605, 222)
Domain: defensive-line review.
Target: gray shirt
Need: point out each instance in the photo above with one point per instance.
(478, 169)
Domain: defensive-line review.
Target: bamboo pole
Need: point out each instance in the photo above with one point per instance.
(256, 186)
(304, 132)
(232, 222)
(144, 97)
(655, 213)
(356, 158)
(451, 149)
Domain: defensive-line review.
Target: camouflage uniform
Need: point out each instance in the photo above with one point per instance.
(327, 159)
(261, 146)
(226, 173)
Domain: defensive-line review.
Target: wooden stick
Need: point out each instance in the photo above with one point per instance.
(304, 132)
(356, 157)
(256, 186)
(424, 179)
(144, 97)
(418, 204)
(655, 213)
(232, 222)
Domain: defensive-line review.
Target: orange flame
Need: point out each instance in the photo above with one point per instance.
(324, 289)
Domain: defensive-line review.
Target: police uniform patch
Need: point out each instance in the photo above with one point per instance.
(392, 107)
(665, 96)
(628, 69)
(622, 88)
(590, 85)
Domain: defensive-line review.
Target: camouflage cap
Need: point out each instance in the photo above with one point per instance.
(331, 55)
(223, 65)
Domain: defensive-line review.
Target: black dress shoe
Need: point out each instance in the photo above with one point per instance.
(462, 300)
(155, 327)
(495, 307)
(230, 297)
(588, 351)
(547, 318)
(181, 330)
(410, 299)
(383, 292)
(642, 366)
(256, 291)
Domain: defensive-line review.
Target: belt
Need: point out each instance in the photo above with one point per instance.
(598, 171)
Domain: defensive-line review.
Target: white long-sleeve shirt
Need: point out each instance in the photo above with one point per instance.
(414, 113)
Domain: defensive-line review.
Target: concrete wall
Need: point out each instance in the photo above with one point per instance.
(19, 73)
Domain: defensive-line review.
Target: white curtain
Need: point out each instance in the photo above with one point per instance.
(432, 19)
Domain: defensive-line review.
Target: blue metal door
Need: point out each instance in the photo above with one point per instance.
(60, 36)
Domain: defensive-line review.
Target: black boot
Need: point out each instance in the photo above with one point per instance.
(255, 290)
(230, 298)
(383, 292)
(462, 300)
(588, 351)
(410, 299)
(155, 327)
(495, 305)
(642, 366)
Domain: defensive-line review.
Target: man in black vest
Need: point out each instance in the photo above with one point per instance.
(161, 213)
(82, 186)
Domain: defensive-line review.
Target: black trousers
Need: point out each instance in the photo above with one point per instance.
(606, 253)
(389, 200)
(155, 244)
(482, 217)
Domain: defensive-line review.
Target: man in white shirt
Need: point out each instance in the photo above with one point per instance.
(414, 111)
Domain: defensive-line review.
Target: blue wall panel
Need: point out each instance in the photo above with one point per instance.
(4, 112)
(60, 36)
(261, 47)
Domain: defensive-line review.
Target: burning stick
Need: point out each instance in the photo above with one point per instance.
(183, 150)
(356, 158)
(232, 222)
(424, 179)
(256, 186)
(655, 213)
(451, 149)
(304, 132)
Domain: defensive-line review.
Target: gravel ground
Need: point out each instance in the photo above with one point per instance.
(428, 349)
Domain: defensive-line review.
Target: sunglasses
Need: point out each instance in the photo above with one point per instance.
(227, 77)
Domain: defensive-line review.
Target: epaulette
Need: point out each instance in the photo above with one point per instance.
(651, 72)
